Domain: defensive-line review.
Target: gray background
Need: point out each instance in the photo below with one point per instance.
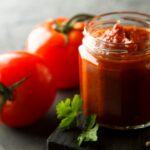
(17, 18)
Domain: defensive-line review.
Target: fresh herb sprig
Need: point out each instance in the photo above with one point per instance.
(70, 113)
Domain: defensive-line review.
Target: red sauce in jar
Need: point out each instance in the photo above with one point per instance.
(116, 86)
(128, 38)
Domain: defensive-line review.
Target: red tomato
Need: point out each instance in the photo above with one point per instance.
(58, 46)
(32, 98)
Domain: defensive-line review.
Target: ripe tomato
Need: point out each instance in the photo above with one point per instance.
(32, 98)
(57, 42)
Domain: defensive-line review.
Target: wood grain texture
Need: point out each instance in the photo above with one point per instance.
(108, 140)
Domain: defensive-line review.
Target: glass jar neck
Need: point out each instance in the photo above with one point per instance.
(134, 26)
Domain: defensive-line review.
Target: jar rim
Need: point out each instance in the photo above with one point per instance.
(98, 17)
(126, 12)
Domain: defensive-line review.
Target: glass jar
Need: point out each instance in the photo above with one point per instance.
(115, 70)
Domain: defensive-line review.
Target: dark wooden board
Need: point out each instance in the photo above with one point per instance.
(108, 140)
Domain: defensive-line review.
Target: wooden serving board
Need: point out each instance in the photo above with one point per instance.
(108, 140)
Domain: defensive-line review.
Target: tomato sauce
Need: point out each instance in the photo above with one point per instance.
(115, 79)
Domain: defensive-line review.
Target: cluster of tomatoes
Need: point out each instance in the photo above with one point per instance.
(29, 78)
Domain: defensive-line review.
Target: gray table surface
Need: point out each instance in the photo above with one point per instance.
(17, 19)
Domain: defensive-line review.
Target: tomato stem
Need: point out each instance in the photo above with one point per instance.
(18, 83)
(6, 93)
(70, 23)
(2, 102)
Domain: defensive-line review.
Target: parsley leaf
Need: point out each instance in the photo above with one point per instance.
(90, 134)
(63, 108)
(66, 123)
(76, 103)
(69, 111)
